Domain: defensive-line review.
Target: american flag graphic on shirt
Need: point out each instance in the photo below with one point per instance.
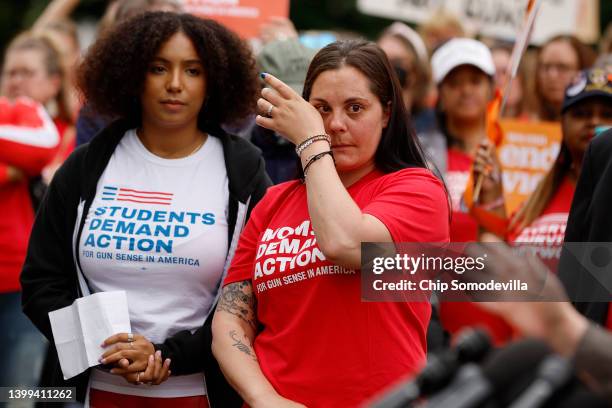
(110, 193)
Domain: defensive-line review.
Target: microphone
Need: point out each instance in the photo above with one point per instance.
(472, 345)
(505, 369)
(553, 374)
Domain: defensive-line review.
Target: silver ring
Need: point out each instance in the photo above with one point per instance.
(130, 337)
(269, 112)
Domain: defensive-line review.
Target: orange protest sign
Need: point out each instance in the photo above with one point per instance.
(242, 16)
(527, 152)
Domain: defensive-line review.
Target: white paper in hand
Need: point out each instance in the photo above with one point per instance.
(80, 329)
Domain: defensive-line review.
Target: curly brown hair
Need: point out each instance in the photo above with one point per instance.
(112, 75)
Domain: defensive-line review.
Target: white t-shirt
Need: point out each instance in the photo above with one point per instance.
(157, 229)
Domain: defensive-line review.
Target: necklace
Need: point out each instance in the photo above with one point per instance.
(194, 151)
(198, 147)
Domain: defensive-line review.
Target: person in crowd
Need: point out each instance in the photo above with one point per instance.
(463, 70)
(296, 269)
(514, 108)
(287, 59)
(175, 220)
(33, 67)
(408, 55)
(558, 61)
(28, 141)
(542, 218)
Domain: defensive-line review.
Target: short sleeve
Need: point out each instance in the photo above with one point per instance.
(413, 205)
(241, 268)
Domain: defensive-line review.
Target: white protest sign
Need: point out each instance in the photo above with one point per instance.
(498, 18)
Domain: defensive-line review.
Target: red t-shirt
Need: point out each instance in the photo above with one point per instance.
(549, 227)
(547, 231)
(463, 227)
(28, 141)
(456, 316)
(68, 140)
(320, 344)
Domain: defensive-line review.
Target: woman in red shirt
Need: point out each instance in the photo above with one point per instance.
(463, 70)
(31, 77)
(290, 328)
(34, 68)
(543, 217)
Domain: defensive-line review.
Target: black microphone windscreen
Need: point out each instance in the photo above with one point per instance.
(472, 345)
(512, 368)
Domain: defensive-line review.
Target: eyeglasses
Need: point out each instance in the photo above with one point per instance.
(563, 69)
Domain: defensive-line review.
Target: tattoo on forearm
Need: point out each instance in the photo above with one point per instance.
(238, 299)
(245, 348)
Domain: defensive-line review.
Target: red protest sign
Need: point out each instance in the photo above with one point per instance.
(242, 16)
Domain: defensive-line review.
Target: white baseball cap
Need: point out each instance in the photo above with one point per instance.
(461, 51)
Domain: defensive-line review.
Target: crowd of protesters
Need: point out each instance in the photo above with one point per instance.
(391, 137)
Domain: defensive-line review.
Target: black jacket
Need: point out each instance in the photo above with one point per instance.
(590, 220)
(49, 277)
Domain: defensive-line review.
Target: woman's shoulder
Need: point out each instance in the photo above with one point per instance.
(285, 189)
(278, 197)
(413, 176)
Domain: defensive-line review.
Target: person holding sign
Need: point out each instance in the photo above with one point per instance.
(295, 281)
(543, 217)
(587, 105)
(463, 69)
(152, 206)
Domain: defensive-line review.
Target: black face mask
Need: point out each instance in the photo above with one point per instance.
(402, 75)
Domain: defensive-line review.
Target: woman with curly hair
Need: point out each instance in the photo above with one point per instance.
(153, 205)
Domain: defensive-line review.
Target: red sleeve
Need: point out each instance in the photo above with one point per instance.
(28, 137)
(242, 265)
(413, 205)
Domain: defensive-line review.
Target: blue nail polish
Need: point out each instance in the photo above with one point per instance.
(263, 75)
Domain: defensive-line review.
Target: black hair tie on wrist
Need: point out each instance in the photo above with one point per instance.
(314, 159)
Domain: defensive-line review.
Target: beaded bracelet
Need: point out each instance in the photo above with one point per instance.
(315, 158)
(302, 146)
